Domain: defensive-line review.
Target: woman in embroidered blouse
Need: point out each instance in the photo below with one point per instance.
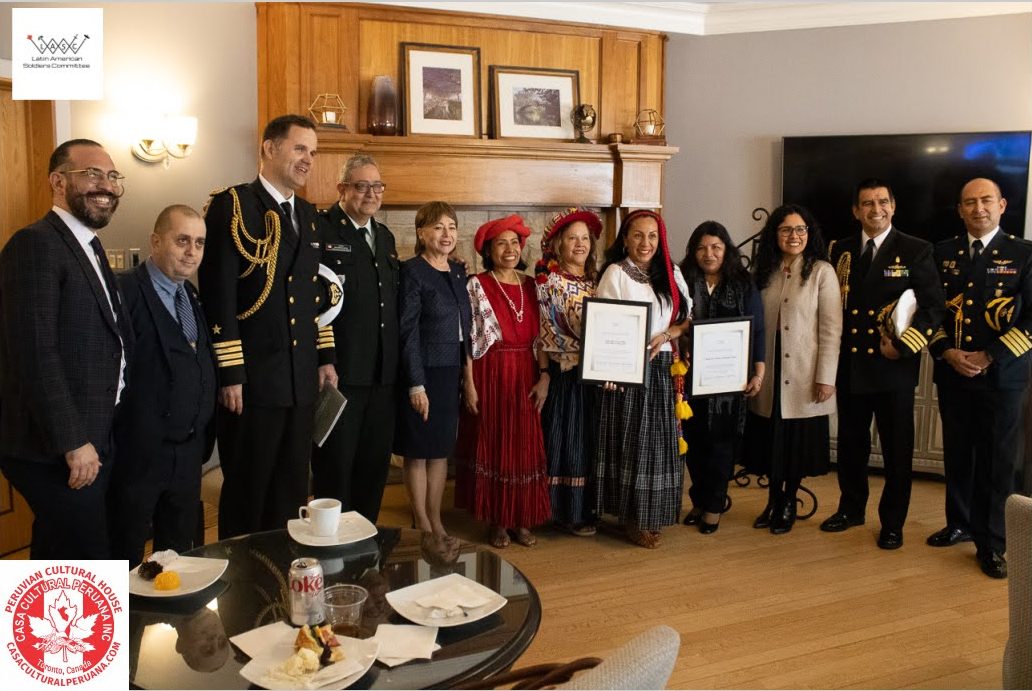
(720, 287)
(565, 275)
(434, 327)
(639, 475)
(786, 432)
(501, 470)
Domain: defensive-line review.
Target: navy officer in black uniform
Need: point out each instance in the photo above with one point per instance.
(353, 462)
(981, 370)
(165, 430)
(261, 296)
(878, 369)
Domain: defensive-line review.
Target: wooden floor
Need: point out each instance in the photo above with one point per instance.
(754, 610)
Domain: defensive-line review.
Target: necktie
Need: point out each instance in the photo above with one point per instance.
(288, 210)
(185, 314)
(976, 250)
(865, 259)
(109, 276)
(368, 233)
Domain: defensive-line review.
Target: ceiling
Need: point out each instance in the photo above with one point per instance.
(708, 18)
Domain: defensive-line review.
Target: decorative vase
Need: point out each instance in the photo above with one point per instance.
(382, 117)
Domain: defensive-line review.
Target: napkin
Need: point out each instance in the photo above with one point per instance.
(269, 646)
(264, 640)
(400, 643)
(452, 601)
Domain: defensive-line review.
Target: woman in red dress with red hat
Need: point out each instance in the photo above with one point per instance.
(501, 473)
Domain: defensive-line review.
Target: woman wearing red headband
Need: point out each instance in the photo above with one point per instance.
(501, 473)
(639, 468)
(565, 275)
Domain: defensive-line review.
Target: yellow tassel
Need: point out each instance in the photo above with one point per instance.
(683, 411)
(678, 369)
(682, 446)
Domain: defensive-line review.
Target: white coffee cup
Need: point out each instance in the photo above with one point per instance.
(321, 516)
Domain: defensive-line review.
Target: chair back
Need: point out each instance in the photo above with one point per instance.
(644, 662)
(1017, 657)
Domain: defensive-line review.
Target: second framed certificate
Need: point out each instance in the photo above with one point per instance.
(615, 341)
(720, 351)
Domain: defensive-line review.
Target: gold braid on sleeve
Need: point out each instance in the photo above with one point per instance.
(956, 305)
(842, 271)
(265, 250)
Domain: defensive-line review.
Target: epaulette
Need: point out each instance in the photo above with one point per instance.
(213, 193)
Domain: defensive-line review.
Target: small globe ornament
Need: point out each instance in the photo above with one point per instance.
(584, 118)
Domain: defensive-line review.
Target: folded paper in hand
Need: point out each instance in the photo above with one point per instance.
(328, 408)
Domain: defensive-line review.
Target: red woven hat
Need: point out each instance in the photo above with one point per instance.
(492, 229)
(567, 217)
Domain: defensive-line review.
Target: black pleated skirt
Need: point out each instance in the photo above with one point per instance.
(434, 438)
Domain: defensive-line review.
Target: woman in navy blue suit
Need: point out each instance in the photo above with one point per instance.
(435, 325)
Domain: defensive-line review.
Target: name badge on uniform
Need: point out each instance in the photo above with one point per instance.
(331, 247)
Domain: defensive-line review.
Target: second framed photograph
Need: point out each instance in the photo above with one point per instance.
(720, 352)
(533, 102)
(442, 89)
(614, 345)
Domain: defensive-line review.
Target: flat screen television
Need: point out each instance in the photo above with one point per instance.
(926, 172)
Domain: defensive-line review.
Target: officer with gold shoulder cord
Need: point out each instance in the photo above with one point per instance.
(878, 367)
(982, 370)
(261, 295)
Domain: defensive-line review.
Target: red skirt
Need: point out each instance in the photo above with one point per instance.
(501, 473)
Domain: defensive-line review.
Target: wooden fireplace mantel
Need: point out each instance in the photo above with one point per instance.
(497, 173)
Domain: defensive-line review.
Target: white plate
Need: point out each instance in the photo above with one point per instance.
(404, 601)
(195, 574)
(352, 527)
(359, 656)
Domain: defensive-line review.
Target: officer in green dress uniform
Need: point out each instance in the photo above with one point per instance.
(982, 370)
(261, 296)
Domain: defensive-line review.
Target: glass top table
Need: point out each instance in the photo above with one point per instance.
(182, 642)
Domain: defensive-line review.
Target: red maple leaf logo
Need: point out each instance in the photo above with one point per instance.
(62, 630)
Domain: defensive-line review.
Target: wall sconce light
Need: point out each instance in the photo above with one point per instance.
(170, 137)
(328, 110)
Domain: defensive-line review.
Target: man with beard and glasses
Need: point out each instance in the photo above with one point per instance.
(64, 343)
(261, 296)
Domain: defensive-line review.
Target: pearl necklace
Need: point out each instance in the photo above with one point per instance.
(512, 305)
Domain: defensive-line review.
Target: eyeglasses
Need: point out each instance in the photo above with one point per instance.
(95, 175)
(792, 230)
(363, 187)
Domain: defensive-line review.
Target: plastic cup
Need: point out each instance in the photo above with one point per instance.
(342, 608)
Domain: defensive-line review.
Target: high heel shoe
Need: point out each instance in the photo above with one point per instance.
(692, 517)
(708, 528)
(785, 518)
(763, 520)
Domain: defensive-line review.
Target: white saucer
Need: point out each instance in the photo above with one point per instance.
(404, 601)
(352, 527)
(195, 574)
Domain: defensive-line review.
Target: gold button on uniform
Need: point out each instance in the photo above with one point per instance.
(967, 320)
(853, 349)
(852, 331)
(870, 313)
(870, 331)
(870, 351)
(855, 312)
(290, 279)
(969, 302)
(293, 321)
(295, 342)
(967, 339)
(291, 300)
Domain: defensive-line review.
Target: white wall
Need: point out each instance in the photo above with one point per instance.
(730, 99)
(192, 59)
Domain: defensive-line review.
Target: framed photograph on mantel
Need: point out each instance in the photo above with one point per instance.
(442, 89)
(533, 102)
(614, 345)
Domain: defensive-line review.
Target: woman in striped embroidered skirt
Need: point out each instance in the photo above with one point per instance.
(639, 474)
(500, 470)
(565, 275)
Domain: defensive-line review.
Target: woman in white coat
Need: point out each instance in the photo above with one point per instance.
(787, 431)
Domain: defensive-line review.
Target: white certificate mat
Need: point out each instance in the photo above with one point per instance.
(615, 341)
(720, 356)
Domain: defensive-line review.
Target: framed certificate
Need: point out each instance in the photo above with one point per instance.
(615, 341)
(720, 355)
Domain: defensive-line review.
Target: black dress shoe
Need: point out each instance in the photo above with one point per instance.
(838, 521)
(692, 517)
(993, 565)
(890, 539)
(784, 519)
(948, 536)
(707, 528)
(763, 520)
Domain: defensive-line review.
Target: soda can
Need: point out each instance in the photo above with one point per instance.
(306, 591)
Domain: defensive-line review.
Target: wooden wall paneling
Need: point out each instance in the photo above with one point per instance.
(14, 156)
(621, 74)
(281, 52)
(652, 59)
